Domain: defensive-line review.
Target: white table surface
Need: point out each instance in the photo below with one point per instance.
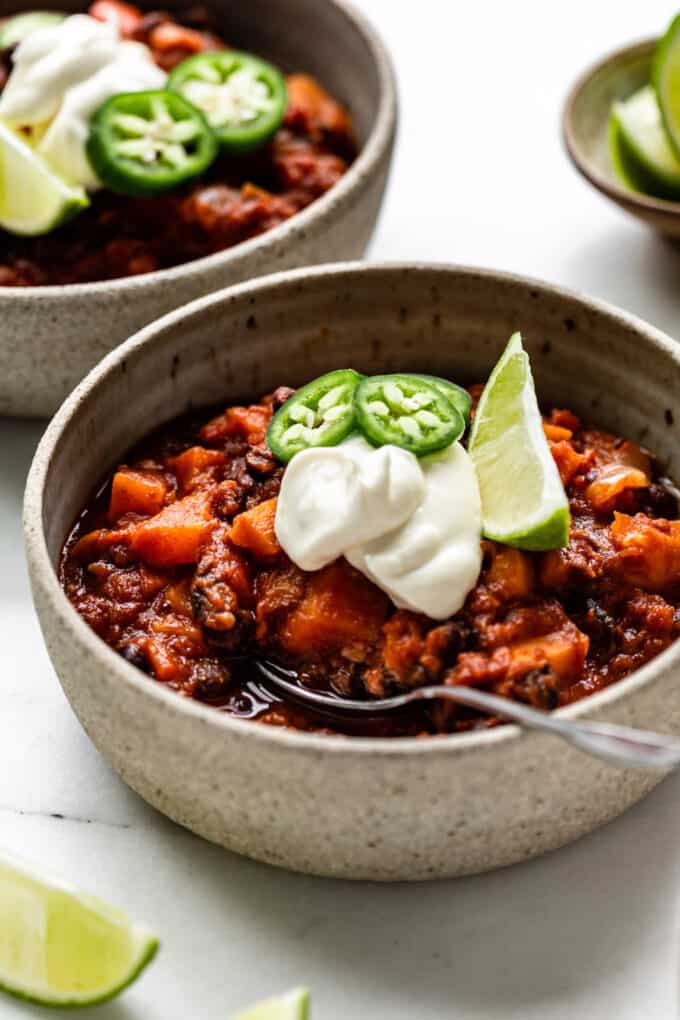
(589, 932)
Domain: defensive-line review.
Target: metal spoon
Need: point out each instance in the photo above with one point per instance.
(620, 745)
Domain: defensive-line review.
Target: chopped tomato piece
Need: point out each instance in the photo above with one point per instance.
(254, 530)
(136, 492)
(176, 534)
(339, 608)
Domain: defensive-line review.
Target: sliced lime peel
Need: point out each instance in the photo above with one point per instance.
(292, 1005)
(640, 149)
(666, 81)
(59, 947)
(523, 500)
(33, 199)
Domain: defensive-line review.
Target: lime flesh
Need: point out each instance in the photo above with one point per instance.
(293, 1005)
(18, 28)
(33, 199)
(666, 81)
(59, 947)
(523, 500)
(641, 152)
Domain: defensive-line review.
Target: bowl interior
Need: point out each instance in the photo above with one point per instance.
(588, 112)
(287, 329)
(318, 37)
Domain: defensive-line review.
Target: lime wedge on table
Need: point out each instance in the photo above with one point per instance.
(62, 948)
(33, 199)
(666, 81)
(523, 500)
(640, 149)
(293, 1005)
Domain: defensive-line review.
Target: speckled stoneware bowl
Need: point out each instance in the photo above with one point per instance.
(585, 129)
(351, 807)
(51, 336)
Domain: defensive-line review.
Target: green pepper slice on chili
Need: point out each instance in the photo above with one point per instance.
(319, 414)
(407, 411)
(243, 98)
(459, 397)
(145, 143)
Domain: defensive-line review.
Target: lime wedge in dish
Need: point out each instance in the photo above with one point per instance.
(33, 199)
(640, 149)
(666, 81)
(523, 500)
(293, 1005)
(18, 28)
(59, 947)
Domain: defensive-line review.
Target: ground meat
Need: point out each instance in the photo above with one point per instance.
(188, 588)
(119, 236)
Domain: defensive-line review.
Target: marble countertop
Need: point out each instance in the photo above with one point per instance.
(588, 932)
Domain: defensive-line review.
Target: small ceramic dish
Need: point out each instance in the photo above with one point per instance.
(390, 808)
(585, 129)
(51, 336)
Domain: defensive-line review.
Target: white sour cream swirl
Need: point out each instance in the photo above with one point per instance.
(412, 526)
(60, 75)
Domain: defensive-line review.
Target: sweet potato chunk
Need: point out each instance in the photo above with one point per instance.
(511, 573)
(125, 16)
(176, 534)
(254, 530)
(564, 651)
(196, 467)
(340, 608)
(249, 423)
(136, 492)
(648, 551)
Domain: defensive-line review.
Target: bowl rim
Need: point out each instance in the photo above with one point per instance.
(371, 153)
(44, 574)
(613, 190)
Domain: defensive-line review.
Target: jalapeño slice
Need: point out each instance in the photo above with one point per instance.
(144, 143)
(409, 411)
(243, 98)
(319, 414)
(459, 397)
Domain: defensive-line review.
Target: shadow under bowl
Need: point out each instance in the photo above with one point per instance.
(362, 808)
(585, 130)
(51, 336)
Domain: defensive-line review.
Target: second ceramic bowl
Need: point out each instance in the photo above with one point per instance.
(352, 807)
(585, 129)
(51, 336)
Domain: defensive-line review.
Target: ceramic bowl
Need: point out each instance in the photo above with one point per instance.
(51, 336)
(585, 129)
(353, 807)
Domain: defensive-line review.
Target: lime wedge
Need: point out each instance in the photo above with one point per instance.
(18, 28)
(59, 947)
(33, 199)
(523, 500)
(666, 81)
(293, 1005)
(640, 150)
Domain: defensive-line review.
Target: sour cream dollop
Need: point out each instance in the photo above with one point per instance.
(60, 75)
(412, 526)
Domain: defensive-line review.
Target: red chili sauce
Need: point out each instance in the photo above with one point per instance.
(175, 564)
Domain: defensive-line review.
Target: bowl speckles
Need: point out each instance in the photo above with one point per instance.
(585, 129)
(51, 336)
(355, 808)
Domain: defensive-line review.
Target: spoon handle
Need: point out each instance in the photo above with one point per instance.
(619, 745)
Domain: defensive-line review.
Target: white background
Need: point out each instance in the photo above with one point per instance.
(587, 933)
